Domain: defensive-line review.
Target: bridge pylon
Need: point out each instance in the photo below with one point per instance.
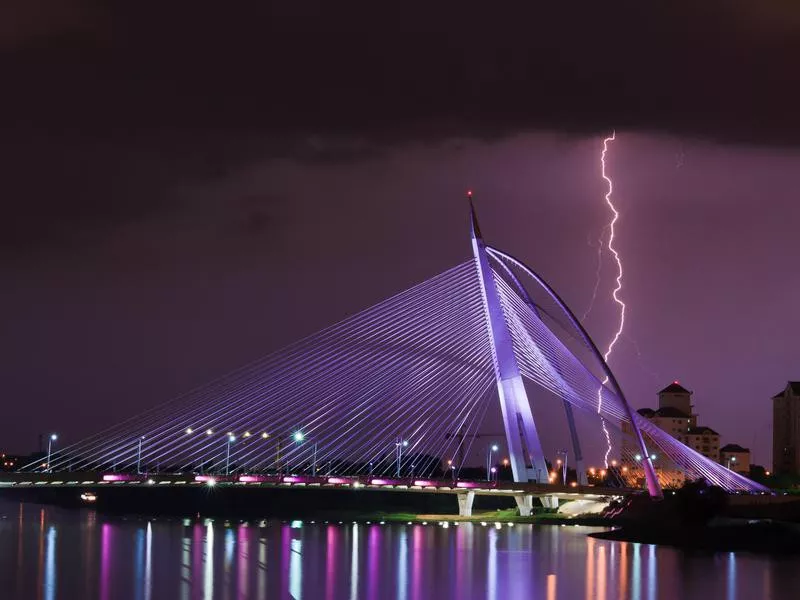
(524, 447)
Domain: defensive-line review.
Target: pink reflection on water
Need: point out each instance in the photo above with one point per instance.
(331, 542)
(373, 564)
(105, 561)
(286, 556)
(417, 548)
(197, 558)
(242, 560)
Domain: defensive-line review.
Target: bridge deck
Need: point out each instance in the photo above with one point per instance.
(255, 481)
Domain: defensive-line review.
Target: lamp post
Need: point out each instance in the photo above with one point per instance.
(731, 459)
(494, 473)
(563, 465)
(231, 439)
(314, 462)
(53, 437)
(298, 438)
(139, 456)
(399, 445)
(493, 448)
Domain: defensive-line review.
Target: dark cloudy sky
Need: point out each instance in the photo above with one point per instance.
(186, 188)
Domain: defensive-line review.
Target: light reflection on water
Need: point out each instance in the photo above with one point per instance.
(51, 553)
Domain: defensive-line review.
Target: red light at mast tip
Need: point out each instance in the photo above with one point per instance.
(469, 193)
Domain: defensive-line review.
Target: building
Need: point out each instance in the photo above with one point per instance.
(786, 430)
(703, 440)
(736, 458)
(675, 415)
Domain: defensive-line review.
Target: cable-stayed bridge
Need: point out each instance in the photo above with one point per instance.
(377, 397)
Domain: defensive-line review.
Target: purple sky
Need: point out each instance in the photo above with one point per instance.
(179, 204)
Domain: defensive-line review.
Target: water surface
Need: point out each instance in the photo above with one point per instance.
(48, 553)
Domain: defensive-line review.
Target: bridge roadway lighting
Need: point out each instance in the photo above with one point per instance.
(492, 448)
(53, 437)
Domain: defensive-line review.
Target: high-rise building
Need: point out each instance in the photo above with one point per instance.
(786, 429)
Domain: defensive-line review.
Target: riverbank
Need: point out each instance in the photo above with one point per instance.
(728, 535)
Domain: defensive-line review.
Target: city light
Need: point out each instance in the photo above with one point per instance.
(264, 435)
(189, 430)
(298, 436)
(247, 434)
(209, 432)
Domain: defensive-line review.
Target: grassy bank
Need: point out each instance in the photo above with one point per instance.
(541, 516)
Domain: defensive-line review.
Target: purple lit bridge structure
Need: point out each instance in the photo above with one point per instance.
(389, 397)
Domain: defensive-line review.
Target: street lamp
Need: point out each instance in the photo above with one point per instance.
(494, 473)
(314, 461)
(53, 437)
(231, 439)
(491, 449)
(139, 456)
(298, 437)
(731, 459)
(563, 465)
(400, 444)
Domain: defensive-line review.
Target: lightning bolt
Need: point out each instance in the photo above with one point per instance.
(597, 272)
(615, 294)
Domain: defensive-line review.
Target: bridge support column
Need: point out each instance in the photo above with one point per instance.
(465, 501)
(524, 504)
(549, 501)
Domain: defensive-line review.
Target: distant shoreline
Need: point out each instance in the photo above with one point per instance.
(728, 535)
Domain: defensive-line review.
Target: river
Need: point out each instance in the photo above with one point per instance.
(48, 553)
